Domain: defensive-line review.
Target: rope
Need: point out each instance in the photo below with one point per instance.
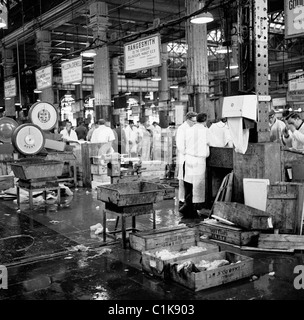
(20, 236)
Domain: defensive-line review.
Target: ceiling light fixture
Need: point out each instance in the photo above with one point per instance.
(174, 86)
(233, 66)
(203, 17)
(88, 53)
(156, 78)
(37, 90)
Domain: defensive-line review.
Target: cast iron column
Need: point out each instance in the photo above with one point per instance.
(43, 48)
(163, 88)
(8, 64)
(197, 63)
(102, 86)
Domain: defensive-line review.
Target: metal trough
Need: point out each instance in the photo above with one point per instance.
(27, 169)
(130, 194)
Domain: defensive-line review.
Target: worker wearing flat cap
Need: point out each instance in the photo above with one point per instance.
(276, 126)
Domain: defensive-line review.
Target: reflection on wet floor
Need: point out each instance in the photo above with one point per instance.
(48, 263)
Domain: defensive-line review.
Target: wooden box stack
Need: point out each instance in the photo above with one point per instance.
(240, 267)
(161, 267)
(153, 169)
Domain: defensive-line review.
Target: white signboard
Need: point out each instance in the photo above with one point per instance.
(278, 102)
(293, 96)
(294, 18)
(10, 88)
(142, 54)
(44, 77)
(295, 81)
(72, 71)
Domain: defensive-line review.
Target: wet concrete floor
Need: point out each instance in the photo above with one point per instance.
(38, 249)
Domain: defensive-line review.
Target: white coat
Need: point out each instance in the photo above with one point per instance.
(296, 138)
(276, 130)
(181, 147)
(197, 150)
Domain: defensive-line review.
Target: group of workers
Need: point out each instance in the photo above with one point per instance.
(193, 139)
(289, 130)
(142, 140)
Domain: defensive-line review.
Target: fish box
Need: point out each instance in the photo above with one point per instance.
(159, 266)
(239, 267)
(230, 234)
(164, 237)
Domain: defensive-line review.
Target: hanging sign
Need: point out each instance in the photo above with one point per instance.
(10, 88)
(44, 77)
(142, 54)
(72, 71)
(295, 81)
(294, 18)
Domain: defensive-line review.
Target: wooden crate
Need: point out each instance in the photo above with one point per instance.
(98, 169)
(103, 178)
(285, 205)
(243, 216)
(230, 234)
(165, 237)
(197, 281)
(161, 267)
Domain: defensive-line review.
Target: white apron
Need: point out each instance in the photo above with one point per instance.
(195, 173)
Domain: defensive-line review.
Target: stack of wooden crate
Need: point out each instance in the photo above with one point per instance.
(153, 169)
(167, 253)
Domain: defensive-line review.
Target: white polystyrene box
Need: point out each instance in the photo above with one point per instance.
(240, 106)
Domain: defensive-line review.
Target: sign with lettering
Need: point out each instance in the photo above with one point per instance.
(72, 71)
(142, 54)
(294, 18)
(296, 81)
(44, 77)
(10, 88)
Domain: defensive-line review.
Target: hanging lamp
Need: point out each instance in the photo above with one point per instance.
(203, 17)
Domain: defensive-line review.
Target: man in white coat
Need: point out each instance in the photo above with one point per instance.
(105, 135)
(132, 136)
(181, 152)
(197, 150)
(293, 134)
(276, 127)
(68, 134)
